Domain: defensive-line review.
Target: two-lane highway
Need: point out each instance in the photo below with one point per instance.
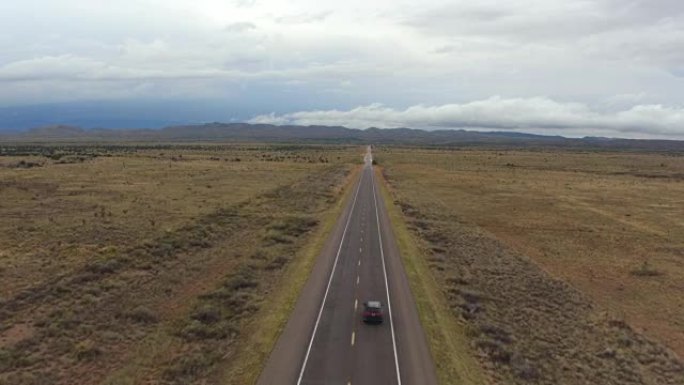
(342, 349)
(325, 340)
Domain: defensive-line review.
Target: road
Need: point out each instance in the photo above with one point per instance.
(325, 340)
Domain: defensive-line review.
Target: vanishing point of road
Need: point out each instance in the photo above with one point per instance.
(325, 340)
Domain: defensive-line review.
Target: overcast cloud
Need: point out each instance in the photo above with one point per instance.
(528, 115)
(569, 67)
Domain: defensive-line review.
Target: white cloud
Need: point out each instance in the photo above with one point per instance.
(303, 18)
(67, 67)
(240, 26)
(399, 52)
(530, 114)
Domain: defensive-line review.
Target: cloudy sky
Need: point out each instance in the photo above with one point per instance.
(569, 67)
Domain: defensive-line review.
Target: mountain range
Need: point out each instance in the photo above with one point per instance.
(245, 132)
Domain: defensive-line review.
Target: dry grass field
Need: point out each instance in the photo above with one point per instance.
(565, 267)
(154, 264)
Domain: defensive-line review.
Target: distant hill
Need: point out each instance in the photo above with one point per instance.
(56, 131)
(244, 132)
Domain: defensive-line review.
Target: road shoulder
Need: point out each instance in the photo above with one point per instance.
(446, 336)
(297, 304)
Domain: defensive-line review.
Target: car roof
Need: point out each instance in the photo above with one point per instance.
(375, 304)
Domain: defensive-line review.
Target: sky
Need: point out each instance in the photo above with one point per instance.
(557, 67)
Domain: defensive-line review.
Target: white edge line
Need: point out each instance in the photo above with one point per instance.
(384, 270)
(332, 274)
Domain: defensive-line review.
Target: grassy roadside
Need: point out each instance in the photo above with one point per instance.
(276, 310)
(456, 363)
(149, 265)
(590, 219)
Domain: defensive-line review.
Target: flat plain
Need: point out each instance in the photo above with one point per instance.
(126, 264)
(562, 266)
(180, 263)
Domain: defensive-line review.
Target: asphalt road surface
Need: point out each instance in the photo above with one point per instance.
(325, 340)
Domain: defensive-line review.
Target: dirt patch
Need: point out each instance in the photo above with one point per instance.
(14, 334)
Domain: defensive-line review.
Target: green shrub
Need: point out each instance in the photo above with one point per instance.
(646, 270)
(87, 350)
(142, 314)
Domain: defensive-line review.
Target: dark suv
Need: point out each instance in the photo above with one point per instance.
(372, 312)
